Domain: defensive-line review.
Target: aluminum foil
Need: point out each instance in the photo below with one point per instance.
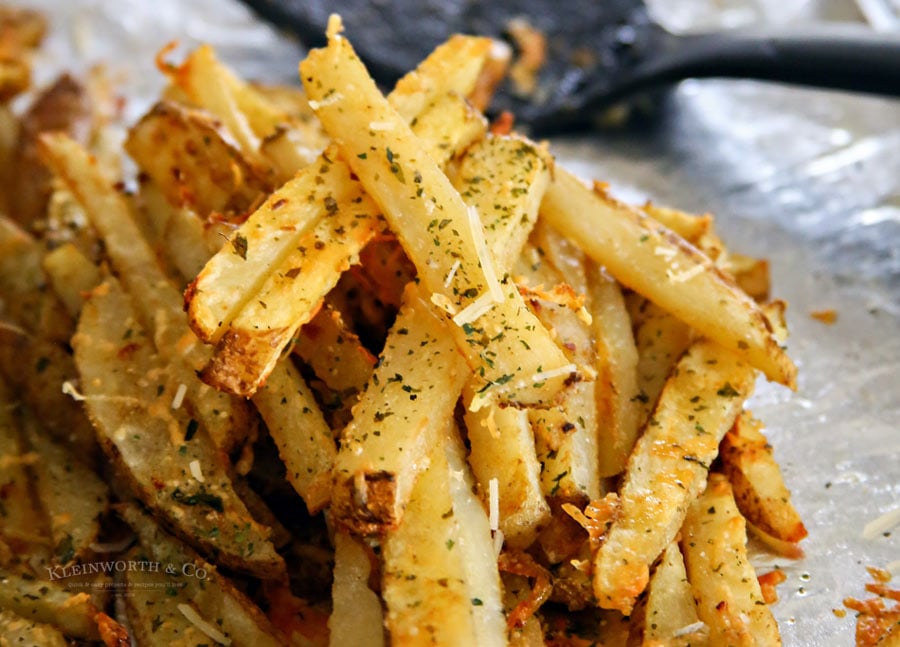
(808, 179)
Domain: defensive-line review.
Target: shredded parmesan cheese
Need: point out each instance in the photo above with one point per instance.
(449, 279)
(179, 396)
(381, 125)
(665, 252)
(681, 277)
(547, 375)
(474, 310)
(195, 470)
(882, 524)
(327, 101)
(69, 389)
(195, 619)
(494, 503)
(498, 542)
(443, 302)
(689, 629)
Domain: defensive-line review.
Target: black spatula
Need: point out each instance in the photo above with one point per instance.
(598, 51)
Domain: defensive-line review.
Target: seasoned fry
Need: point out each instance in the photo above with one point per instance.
(305, 443)
(398, 420)
(334, 352)
(669, 613)
(441, 575)
(165, 455)
(20, 528)
(616, 387)
(290, 296)
(73, 497)
(16, 630)
(729, 599)
(668, 467)
(49, 602)
(660, 339)
(188, 156)
(757, 483)
(39, 369)
(502, 450)
(226, 419)
(71, 274)
(214, 600)
(357, 618)
(566, 433)
(435, 227)
(673, 274)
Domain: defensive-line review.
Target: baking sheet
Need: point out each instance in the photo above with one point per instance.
(810, 180)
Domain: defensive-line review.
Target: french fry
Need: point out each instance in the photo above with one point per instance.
(441, 582)
(502, 449)
(305, 443)
(184, 240)
(23, 526)
(668, 467)
(435, 227)
(729, 599)
(661, 339)
(188, 156)
(752, 274)
(49, 602)
(669, 613)
(73, 497)
(334, 352)
(16, 630)
(357, 617)
(165, 455)
(206, 81)
(567, 432)
(454, 66)
(248, 113)
(399, 418)
(757, 482)
(616, 386)
(197, 584)
(290, 296)
(20, 275)
(673, 274)
(63, 106)
(504, 179)
(71, 274)
(227, 419)
(39, 369)
(691, 227)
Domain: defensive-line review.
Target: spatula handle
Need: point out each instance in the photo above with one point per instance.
(838, 56)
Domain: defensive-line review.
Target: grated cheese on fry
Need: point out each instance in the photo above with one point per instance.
(69, 389)
(549, 375)
(195, 470)
(689, 629)
(205, 627)
(882, 524)
(494, 503)
(178, 400)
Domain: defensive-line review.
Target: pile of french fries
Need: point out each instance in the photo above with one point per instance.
(342, 368)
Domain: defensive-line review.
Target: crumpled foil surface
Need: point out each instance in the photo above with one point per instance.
(808, 179)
